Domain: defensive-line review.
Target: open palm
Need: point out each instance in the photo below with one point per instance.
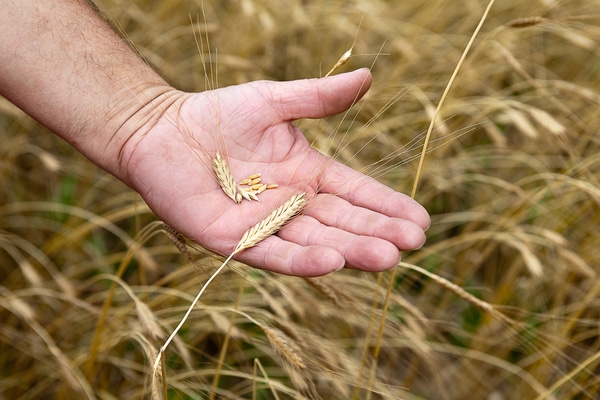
(251, 124)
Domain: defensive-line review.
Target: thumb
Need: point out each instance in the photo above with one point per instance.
(320, 97)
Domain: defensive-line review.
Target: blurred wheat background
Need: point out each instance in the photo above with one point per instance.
(91, 285)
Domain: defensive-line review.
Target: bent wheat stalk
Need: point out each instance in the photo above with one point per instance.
(259, 232)
(417, 179)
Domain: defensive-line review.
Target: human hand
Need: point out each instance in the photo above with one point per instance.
(351, 220)
(125, 118)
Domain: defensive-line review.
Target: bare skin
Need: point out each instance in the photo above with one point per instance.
(78, 78)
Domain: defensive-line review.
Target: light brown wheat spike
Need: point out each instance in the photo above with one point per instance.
(282, 346)
(341, 61)
(272, 223)
(178, 240)
(327, 290)
(524, 22)
(225, 178)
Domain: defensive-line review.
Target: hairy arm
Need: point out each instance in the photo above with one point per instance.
(63, 65)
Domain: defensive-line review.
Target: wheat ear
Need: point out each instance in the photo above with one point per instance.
(341, 61)
(283, 347)
(225, 178)
(272, 223)
(259, 232)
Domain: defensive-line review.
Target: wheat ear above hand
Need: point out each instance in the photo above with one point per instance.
(259, 232)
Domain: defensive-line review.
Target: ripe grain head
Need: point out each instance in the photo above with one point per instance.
(272, 223)
(225, 178)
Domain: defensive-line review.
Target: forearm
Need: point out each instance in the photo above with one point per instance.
(64, 66)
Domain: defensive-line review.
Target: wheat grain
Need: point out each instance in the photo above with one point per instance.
(225, 178)
(272, 223)
(250, 187)
(248, 194)
(261, 189)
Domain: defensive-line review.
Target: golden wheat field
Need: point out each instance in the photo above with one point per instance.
(503, 301)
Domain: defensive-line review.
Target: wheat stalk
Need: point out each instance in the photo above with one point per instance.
(434, 119)
(459, 291)
(436, 113)
(259, 232)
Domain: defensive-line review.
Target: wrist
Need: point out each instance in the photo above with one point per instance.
(64, 66)
(127, 123)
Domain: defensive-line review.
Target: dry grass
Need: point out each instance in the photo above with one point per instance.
(513, 192)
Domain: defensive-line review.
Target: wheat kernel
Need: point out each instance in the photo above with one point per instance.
(261, 189)
(248, 195)
(255, 181)
(272, 186)
(244, 194)
(253, 196)
(256, 186)
(254, 176)
(245, 181)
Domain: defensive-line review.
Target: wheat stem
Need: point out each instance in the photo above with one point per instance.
(265, 228)
(420, 169)
(187, 314)
(445, 94)
(459, 291)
